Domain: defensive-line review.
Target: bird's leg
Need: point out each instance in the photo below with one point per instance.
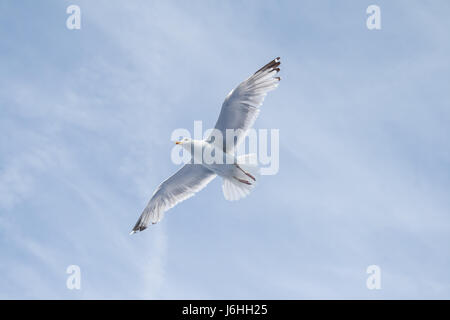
(246, 173)
(243, 181)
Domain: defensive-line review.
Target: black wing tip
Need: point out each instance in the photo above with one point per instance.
(137, 229)
(273, 65)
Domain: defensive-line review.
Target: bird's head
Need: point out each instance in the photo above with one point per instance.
(189, 144)
(184, 141)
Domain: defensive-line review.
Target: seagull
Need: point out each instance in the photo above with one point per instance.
(239, 173)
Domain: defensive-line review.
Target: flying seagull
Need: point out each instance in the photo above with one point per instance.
(239, 111)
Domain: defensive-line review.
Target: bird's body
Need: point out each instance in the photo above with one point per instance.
(216, 156)
(212, 157)
(215, 159)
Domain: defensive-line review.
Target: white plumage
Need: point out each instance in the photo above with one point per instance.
(239, 111)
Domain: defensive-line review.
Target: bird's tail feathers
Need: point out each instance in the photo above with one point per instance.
(247, 174)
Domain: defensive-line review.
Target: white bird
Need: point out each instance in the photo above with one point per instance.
(239, 111)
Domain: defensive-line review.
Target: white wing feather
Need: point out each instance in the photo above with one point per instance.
(190, 179)
(241, 106)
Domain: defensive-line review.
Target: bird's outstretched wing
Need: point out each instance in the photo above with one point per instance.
(241, 106)
(190, 179)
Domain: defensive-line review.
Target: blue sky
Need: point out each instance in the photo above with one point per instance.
(85, 123)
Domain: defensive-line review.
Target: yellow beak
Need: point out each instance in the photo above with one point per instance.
(178, 142)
